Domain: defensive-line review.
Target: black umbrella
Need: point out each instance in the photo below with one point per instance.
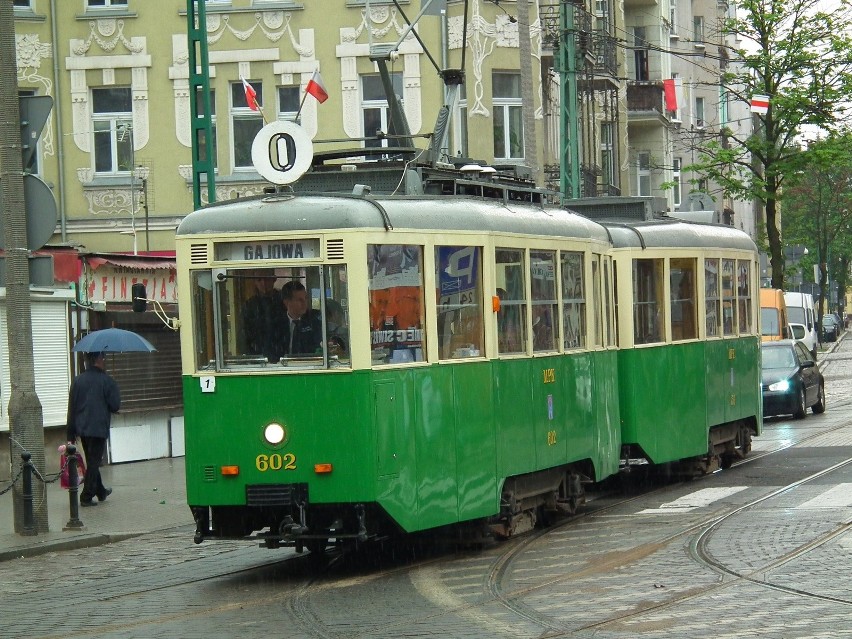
(113, 340)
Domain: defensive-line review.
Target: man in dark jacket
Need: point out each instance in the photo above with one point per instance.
(302, 328)
(93, 398)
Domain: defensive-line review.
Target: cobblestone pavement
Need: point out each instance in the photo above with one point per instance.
(699, 559)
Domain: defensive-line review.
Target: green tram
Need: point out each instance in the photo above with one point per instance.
(689, 357)
(464, 360)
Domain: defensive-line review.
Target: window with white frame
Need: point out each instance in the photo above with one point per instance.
(33, 164)
(698, 30)
(460, 126)
(607, 157)
(288, 102)
(723, 104)
(508, 120)
(677, 190)
(678, 96)
(375, 111)
(643, 173)
(641, 54)
(673, 18)
(22, 4)
(202, 141)
(699, 112)
(245, 124)
(112, 129)
(99, 4)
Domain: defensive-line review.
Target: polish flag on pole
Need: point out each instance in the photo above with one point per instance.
(760, 104)
(316, 88)
(251, 95)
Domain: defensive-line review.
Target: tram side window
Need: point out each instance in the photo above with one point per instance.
(337, 313)
(647, 297)
(682, 286)
(597, 327)
(204, 330)
(511, 289)
(573, 300)
(459, 280)
(744, 295)
(608, 310)
(729, 309)
(712, 302)
(544, 307)
(396, 303)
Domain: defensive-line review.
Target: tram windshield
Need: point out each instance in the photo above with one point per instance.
(271, 318)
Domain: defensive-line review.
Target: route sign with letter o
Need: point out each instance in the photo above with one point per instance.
(281, 152)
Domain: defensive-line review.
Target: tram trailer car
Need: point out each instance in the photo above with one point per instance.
(689, 362)
(475, 375)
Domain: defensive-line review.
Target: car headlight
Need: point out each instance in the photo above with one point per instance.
(783, 385)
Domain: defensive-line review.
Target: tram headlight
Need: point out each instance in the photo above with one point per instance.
(274, 433)
(783, 385)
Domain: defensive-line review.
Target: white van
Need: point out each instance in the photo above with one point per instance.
(800, 310)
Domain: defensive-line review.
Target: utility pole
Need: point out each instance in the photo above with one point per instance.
(569, 125)
(527, 95)
(26, 424)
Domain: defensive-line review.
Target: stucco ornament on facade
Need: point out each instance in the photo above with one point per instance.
(107, 32)
(482, 37)
(350, 49)
(273, 24)
(30, 51)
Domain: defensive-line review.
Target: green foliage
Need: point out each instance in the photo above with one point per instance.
(801, 57)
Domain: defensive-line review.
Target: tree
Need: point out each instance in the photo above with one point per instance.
(818, 213)
(801, 58)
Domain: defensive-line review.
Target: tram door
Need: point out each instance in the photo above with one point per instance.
(388, 418)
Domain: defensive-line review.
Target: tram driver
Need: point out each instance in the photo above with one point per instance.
(302, 334)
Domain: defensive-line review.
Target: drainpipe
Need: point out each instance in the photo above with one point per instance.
(57, 108)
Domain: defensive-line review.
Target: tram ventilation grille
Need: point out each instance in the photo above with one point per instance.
(276, 494)
(334, 249)
(209, 473)
(198, 254)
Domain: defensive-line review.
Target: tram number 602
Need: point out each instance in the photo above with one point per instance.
(287, 461)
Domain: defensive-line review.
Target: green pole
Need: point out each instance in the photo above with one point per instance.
(203, 144)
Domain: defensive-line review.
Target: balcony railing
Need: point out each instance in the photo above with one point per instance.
(646, 97)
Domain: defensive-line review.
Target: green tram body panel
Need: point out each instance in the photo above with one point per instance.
(431, 445)
(668, 391)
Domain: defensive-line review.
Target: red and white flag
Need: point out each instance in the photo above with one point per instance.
(760, 104)
(673, 92)
(251, 95)
(316, 88)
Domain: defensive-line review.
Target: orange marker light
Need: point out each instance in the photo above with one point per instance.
(232, 471)
(321, 469)
(495, 303)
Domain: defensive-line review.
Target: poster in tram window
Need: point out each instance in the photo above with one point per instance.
(396, 303)
(460, 328)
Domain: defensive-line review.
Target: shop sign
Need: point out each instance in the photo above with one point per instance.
(115, 283)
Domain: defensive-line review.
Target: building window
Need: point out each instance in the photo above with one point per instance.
(202, 142)
(375, 112)
(460, 147)
(112, 126)
(673, 18)
(288, 103)
(640, 54)
(643, 173)
(508, 120)
(33, 165)
(723, 105)
(98, 4)
(677, 189)
(678, 84)
(699, 113)
(245, 124)
(22, 4)
(698, 30)
(607, 158)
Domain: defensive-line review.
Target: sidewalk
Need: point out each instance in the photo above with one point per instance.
(146, 496)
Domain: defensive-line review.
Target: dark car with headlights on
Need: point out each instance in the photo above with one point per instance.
(791, 380)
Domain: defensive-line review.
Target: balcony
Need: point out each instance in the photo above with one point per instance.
(645, 103)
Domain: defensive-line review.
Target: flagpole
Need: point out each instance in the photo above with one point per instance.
(301, 104)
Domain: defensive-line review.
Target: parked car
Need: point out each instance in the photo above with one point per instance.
(791, 380)
(800, 311)
(830, 327)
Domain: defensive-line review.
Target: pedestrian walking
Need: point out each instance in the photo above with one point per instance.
(94, 396)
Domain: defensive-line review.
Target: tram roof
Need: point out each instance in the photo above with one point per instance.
(671, 233)
(289, 213)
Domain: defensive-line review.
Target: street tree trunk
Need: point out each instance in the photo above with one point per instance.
(26, 427)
